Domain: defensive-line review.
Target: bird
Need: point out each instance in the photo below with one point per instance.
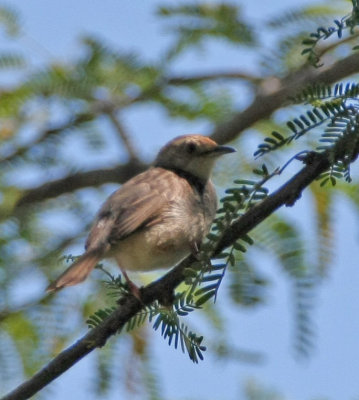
(158, 217)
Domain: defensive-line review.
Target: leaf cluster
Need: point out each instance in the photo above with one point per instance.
(9, 19)
(337, 116)
(165, 319)
(348, 22)
(196, 23)
(205, 277)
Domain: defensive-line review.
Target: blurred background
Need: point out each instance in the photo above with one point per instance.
(89, 91)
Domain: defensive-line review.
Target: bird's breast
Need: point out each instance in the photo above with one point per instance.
(169, 239)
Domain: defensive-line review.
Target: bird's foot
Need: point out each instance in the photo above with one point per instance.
(133, 288)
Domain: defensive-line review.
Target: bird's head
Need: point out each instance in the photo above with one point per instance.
(195, 154)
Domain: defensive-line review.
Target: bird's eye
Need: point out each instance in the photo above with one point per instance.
(191, 148)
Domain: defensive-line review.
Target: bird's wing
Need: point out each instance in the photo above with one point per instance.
(137, 204)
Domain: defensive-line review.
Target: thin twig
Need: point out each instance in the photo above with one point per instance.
(183, 80)
(325, 49)
(125, 137)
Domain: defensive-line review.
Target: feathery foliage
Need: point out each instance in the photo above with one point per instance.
(9, 19)
(195, 23)
(166, 320)
(348, 22)
(340, 117)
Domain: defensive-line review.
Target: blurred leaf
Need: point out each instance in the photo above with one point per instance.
(25, 338)
(197, 22)
(9, 18)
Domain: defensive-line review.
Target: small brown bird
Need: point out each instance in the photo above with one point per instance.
(158, 217)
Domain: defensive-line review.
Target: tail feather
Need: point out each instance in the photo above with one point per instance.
(77, 272)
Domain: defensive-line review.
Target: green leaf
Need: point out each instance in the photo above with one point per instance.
(247, 239)
(238, 246)
(211, 277)
(203, 299)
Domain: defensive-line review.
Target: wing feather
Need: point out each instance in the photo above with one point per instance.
(135, 205)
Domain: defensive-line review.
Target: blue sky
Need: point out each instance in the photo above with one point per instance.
(51, 33)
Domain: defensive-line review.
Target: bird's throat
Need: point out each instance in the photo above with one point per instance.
(196, 182)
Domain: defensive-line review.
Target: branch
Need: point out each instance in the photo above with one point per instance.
(183, 80)
(262, 107)
(97, 337)
(266, 103)
(81, 180)
(96, 108)
(326, 49)
(123, 135)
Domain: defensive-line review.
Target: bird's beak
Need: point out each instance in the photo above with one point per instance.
(220, 150)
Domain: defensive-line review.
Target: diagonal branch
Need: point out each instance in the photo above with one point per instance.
(262, 107)
(332, 46)
(123, 135)
(97, 337)
(266, 103)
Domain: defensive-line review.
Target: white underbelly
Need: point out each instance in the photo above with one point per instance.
(145, 251)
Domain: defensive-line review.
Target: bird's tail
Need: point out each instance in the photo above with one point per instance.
(77, 272)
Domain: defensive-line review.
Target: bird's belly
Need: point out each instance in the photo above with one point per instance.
(151, 249)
